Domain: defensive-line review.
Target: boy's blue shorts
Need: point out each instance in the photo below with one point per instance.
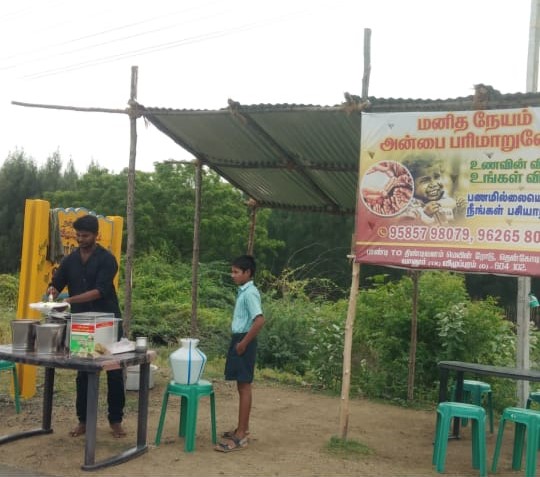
(241, 368)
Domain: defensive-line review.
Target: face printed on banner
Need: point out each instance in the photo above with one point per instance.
(428, 184)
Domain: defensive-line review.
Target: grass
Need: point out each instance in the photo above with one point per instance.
(347, 448)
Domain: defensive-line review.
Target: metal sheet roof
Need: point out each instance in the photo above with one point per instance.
(298, 157)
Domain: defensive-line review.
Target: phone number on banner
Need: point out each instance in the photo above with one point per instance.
(459, 234)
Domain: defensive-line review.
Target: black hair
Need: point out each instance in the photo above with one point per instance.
(245, 262)
(87, 223)
(417, 162)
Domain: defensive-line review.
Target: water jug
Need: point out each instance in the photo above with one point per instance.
(187, 362)
(50, 337)
(23, 334)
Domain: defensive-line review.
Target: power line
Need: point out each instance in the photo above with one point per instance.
(158, 47)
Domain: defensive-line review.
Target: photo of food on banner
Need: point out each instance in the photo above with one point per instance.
(413, 190)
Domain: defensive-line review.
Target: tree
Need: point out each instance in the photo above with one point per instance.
(18, 182)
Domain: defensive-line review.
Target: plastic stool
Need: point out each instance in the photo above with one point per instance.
(472, 393)
(10, 366)
(445, 412)
(525, 420)
(534, 396)
(190, 395)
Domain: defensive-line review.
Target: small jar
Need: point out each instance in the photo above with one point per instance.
(141, 344)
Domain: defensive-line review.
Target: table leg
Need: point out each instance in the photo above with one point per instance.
(48, 392)
(459, 398)
(142, 422)
(443, 384)
(91, 419)
(46, 417)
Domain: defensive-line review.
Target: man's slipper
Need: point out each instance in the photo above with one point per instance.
(229, 434)
(78, 430)
(233, 444)
(117, 430)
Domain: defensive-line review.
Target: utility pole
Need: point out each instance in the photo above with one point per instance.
(524, 283)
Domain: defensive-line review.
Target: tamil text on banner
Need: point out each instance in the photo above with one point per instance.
(451, 190)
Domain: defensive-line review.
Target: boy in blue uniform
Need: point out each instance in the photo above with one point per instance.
(247, 321)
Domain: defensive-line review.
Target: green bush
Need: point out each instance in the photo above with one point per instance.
(283, 343)
(9, 291)
(327, 333)
(449, 326)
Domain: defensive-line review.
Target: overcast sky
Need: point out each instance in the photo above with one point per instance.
(195, 54)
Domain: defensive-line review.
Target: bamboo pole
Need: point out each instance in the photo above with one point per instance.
(413, 343)
(71, 108)
(252, 204)
(130, 207)
(196, 247)
(347, 352)
(355, 281)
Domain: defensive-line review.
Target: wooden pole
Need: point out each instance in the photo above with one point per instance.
(355, 281)
(196, 247)
(130, 208)
(414, 326)
(347, 352)
(252, 204)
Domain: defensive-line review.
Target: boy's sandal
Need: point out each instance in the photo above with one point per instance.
(234, 444)
(229, 434)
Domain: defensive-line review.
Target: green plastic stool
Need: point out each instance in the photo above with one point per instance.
(446, 411)
(534, 396)
(190, 395)
(10, 366)
(525, 420)
(473, 391)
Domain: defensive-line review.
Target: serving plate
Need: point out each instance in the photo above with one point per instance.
(47, 306)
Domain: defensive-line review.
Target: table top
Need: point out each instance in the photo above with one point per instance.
(490, 370)
(64, 360)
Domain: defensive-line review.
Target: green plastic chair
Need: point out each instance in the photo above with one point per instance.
(190, 395)
(525, 420)
(446, 411)
(473, 392)
(10, 366)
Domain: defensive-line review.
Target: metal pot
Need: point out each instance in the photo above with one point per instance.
(23, 334)
(49, 337)
(61, 317)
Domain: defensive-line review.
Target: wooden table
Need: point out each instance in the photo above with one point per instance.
(460, 368)
(93, 366)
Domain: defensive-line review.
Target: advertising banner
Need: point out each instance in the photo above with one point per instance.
(451, 190)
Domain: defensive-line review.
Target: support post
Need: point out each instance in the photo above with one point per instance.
(196, 247)
(524, 283)
(347, 352)
(130, 207)
(252, 204)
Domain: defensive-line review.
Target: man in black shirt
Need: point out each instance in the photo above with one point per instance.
(88, 273)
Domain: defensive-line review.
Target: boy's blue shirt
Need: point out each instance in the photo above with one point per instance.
(246, 308)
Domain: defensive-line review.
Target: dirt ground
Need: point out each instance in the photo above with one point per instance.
(289, 430)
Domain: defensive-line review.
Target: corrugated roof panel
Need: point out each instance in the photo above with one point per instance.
(329, 139)
(303, 157)
(219, 136)
(340, 186)
(275, 187)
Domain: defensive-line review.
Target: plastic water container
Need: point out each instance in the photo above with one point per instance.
(187, 362)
